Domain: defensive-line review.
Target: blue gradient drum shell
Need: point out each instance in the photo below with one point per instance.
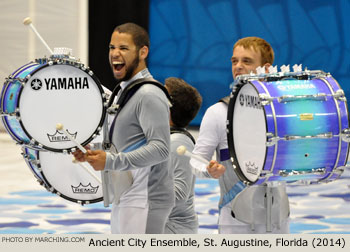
(305, 155)
(9, 102)
(31, 156)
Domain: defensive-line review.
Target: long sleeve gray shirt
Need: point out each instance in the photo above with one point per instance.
(183, 216)
(144, 117)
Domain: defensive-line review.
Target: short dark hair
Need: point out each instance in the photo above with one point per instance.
(138, 34)
(186, 101)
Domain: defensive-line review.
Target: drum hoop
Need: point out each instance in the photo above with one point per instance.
(348, 116)
(55, 191)
(340, 127)
(275, 129)
(12, 134)
(14, 75)
(3, 93)
(104, 109)
(230, 138)
(30, 164)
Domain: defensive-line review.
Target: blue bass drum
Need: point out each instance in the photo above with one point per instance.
(292, 128)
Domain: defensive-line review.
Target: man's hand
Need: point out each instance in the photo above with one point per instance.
(97, 159)
(79, 155)
(215, 169)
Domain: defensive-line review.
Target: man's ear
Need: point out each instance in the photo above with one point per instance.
(143, 52)
(267, 65)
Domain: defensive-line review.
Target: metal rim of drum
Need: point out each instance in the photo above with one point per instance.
(4, 89)
(230, 138)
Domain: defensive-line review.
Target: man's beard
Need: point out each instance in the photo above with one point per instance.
(131, 69)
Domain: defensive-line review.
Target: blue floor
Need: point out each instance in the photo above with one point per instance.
(321, 209)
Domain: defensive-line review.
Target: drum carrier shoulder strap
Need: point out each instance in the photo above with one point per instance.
(131, 89)
(225, 100)
(239, 186)
(126, 94)
(182, 131)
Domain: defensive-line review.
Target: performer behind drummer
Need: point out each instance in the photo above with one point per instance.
(248, 54)
(146, 205)
(186, 102)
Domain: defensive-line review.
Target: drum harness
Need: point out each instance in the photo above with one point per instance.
(224, 155)
(115, 109)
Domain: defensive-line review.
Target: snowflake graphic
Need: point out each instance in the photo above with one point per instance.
(36, 84)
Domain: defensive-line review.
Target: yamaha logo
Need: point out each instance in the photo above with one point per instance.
(249, 101)
(241, 99)
(36, 84)
(286, 87)
(66, 83)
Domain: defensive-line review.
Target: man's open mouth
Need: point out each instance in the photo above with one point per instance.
(117, 65)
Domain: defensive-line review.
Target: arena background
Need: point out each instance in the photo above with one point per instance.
(189, 39)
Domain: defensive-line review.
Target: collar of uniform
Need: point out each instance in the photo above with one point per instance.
(142, 74)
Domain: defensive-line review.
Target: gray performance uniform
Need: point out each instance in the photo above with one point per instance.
(183, 218)
(145, 117)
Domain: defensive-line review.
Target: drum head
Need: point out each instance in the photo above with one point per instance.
(70, 180)
(63, 94)
(247, 133)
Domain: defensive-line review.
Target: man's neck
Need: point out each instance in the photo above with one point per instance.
(144, 73)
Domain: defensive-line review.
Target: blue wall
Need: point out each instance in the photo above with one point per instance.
(193, 39)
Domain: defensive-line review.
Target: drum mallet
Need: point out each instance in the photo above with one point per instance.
(28, 21)
(60, 127)
(181, 150)
(87, 169)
